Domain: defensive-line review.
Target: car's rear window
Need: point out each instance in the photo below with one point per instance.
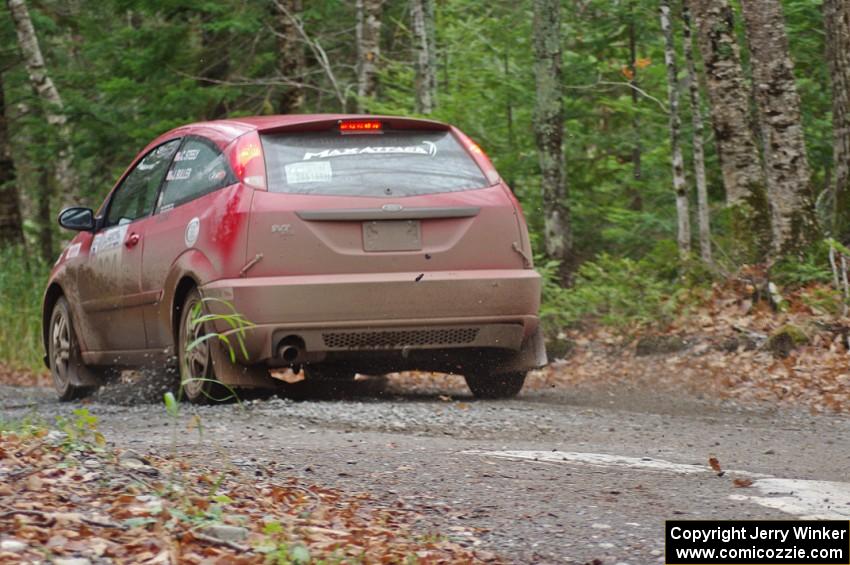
(394, 163)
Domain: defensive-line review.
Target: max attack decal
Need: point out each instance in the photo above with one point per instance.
(427, 148)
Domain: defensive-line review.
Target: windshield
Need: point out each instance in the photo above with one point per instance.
(394, 163)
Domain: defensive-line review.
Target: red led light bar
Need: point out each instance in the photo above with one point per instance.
(360, 126)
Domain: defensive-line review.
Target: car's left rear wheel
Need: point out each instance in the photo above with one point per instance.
(64, 354)
(197, 373)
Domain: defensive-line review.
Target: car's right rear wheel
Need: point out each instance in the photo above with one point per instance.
(197, 374)
(502, 385)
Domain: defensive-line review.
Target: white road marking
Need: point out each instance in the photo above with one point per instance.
(606, 460)
(811, 500)
(804, 498)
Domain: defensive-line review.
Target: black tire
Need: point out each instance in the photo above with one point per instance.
(63, 354)
(502, 385)
(198, 382)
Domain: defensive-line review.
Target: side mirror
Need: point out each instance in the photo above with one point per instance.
(77, 219)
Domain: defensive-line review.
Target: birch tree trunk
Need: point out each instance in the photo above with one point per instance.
(11, 227)
(836, 15)
(728, 95)
(368, 50)
(680, 186)
(703, 217)
(422, 18)
(291, 58)
(789, 183)
(67, 182)
(549, 133)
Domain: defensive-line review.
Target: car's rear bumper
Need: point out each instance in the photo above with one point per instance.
(386, 311)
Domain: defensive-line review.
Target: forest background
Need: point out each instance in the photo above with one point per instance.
(657, 146)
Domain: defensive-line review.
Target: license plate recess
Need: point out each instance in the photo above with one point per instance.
(392, 235)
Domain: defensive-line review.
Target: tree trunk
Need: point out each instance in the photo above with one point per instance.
(45, 218)
(634, 192)
(549, 133)
(368, 50)
(836, 15)
(291, 59)
(698, 141)
(11, 227)
(422, 17)
(728, 95)
(679, 184)
(789, 182)
(66, 175)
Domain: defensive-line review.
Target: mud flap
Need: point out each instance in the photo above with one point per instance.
(84, 376)
(235, 374)
(531, 356)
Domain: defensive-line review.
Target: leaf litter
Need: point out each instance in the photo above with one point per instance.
(64, 497)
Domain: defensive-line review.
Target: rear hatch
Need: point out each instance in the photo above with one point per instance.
(383, 195)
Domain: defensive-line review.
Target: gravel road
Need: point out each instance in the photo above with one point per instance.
(555, 476)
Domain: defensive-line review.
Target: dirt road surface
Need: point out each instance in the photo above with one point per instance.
(555, 476)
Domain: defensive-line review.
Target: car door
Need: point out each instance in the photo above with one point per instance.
(109, 280)
(188, 218)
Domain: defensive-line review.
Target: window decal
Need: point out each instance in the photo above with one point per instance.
(427, 148)
(187, 155)
(179, 174)
(317, 171)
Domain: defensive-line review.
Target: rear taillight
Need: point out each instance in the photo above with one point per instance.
(480, 157)
(246, 158)
(360, 126)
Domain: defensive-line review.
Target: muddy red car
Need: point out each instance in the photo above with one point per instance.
(353, 244)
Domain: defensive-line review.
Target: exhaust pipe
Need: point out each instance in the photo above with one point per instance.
(289, 353)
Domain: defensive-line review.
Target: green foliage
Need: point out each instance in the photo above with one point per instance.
(22, 282)
(824, 300)
(28, 426)
(279, 550)
(614, 291)
(172, 407)
(812, 267)
(81, 431)
(237, 323)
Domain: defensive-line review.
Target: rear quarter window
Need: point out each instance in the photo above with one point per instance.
(197, 169)
(394, 163)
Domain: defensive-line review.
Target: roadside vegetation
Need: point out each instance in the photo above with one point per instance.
(22, 284)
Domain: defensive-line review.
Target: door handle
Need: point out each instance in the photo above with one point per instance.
(133, 240)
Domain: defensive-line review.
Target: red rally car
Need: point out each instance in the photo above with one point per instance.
(353, 244)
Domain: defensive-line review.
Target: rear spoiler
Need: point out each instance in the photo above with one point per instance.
(332, 123)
